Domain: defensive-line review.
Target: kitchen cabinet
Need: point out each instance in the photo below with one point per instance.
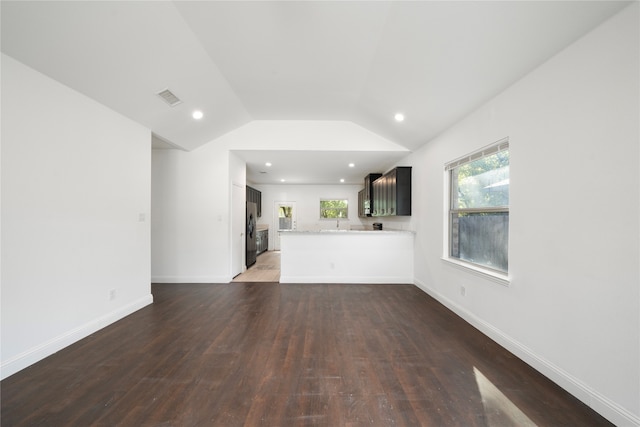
(392, 193)
(255, 196)
(348, 256)
(262, 241)
(365, 196)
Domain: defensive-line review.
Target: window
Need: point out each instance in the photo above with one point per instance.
(479, 208)
(332, 209)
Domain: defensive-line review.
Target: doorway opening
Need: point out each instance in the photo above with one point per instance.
(284, 220)
(265, 269)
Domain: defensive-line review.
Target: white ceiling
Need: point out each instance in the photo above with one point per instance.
(316, 167)
(358, 61)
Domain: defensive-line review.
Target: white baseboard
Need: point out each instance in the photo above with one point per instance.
(394, 280)
(39, 352)
(599, 403)
(191, 279)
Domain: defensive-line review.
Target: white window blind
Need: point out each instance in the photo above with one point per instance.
(496, 147)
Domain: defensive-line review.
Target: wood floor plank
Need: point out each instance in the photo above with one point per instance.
(269, 354)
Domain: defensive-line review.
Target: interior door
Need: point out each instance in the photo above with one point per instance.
(285, 219)
(237, 229)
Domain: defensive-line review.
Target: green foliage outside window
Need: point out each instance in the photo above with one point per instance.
(334, 209)
(285, 212)
(482, 183)
(479, 213)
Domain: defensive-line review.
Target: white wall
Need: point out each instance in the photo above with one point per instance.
(307, 198)
(573, 306)
(572, 309)
(190, 222)
(320, 135)
(75, 216)
(191, 192)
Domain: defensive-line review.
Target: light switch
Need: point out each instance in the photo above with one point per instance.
(142, 217)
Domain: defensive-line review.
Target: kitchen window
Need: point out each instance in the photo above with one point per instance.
(334, 209)
(479, 208)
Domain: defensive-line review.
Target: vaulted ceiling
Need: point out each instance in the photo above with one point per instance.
(236, 61)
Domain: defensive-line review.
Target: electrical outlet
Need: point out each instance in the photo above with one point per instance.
(463, 291)
(112, 294)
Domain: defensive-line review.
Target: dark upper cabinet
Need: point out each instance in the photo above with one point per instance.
(361, 203)
(392, 193)
(365, 197)
(255, 196)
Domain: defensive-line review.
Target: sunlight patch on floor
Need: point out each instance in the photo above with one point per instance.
(499, 410)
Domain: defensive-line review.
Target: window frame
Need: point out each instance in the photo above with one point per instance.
(497, 275)
(331, 199)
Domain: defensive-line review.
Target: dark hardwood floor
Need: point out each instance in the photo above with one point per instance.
(268, 354)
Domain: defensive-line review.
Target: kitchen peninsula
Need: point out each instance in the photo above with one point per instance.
(346, 256)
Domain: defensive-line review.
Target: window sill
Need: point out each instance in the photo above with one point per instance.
(499, 278)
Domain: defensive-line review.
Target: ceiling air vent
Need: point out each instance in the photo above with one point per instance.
(169, 98)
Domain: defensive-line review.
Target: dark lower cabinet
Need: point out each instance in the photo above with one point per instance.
(262, 242)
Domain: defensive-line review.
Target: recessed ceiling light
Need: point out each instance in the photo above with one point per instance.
(399, 117)
(267, 164)
(282, 180)
(341, 179)
(197, 115)
(352, 165)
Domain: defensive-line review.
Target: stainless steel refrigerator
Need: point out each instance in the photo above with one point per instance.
(252, 231)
